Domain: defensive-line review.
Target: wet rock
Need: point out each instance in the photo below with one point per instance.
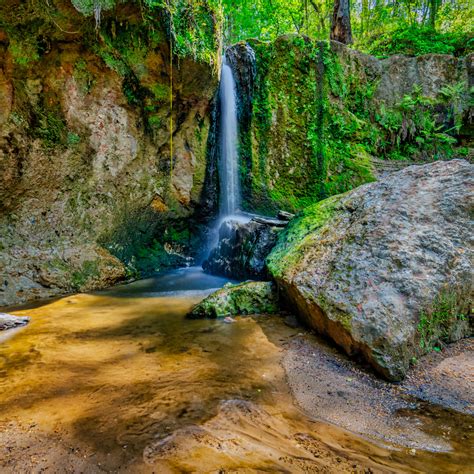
(242, 59)
(243, 248)
(365, 267)
(49, 272)
(251, 297)
(285, 216)
(271, 222)
(8, 321)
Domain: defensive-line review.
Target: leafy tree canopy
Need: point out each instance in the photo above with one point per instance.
(380, 27)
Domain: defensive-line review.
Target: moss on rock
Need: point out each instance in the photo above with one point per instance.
(300, 233)
(251, 297)
(322, 113)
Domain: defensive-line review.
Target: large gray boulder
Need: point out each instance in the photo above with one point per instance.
(385, 270)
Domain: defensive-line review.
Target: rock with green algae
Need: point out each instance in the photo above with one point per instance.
(251, 297)
(243, 247)
(369, 268)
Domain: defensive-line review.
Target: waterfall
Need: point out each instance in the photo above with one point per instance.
(229, 159)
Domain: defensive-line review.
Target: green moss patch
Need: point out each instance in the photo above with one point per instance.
(293, 240)
(88, 271)
(251, 297)
(445, 320)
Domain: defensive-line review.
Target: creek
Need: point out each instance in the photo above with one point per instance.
(120, 381)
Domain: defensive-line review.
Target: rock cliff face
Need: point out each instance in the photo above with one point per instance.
(325, 119)
(88, 189)
(385, 270)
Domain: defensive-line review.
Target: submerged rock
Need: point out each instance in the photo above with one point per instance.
(8, 321)
(386, 269)
(243, 248)
(251, 297)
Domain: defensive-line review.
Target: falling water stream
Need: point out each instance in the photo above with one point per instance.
(228, 163)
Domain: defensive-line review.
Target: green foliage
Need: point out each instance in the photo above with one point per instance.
(412, 128)
(268, 19)
(161, 92)
(83, 77)
(51, 127)
(73, 139)
(415, 41)
(155, 122)
(193, 27)
(437, 323)
(383, 27)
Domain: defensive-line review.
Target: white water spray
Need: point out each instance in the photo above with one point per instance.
(229, 160)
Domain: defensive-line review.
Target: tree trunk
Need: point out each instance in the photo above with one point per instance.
(341, 22)
(364, 17)
(434, 5)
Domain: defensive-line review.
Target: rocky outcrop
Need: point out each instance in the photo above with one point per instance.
(322, 111)
(386, 269)
(8, 321)
(242, 247)
(251, 297)
(88, 189)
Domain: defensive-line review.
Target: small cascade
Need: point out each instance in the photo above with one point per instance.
(229, 203)
(235, 91)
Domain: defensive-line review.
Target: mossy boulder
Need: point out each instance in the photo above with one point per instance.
(385, 270)
(251, 297)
